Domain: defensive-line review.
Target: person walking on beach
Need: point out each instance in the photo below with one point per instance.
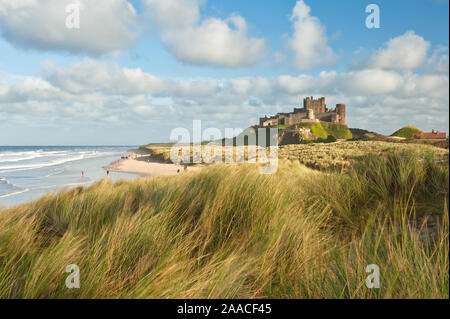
(107, 173)
(82, 173)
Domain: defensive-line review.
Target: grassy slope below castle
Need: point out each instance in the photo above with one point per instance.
(229, 232)
(324, 129)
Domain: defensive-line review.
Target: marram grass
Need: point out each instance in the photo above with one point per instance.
(228, 232)
(320, 156)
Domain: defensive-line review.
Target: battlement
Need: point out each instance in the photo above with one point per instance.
(314, 110)
(318, 105)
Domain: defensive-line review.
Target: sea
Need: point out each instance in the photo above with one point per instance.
(29, 172)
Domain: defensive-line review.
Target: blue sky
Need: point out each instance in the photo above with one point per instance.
(129, 76)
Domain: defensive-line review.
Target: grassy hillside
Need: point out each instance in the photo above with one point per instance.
(358, 132)
(339, 131)
(229, 232)
(316, 128)
(323, 129)
(407, 131)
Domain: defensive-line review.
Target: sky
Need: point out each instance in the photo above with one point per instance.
(132, 71)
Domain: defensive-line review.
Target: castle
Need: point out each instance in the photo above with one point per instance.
(314, 110)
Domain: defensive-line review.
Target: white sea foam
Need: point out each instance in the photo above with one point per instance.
(15, 193)
(12, 168)
(19, 156)
(4, 180)
(56, 172)
(38, 170)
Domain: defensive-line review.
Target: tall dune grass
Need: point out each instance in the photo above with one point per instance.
(320, 156)
(228, 232)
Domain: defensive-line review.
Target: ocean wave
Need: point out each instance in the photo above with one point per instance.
(16, 153)
(15, 193)
(11, 189)
(17, 157)
(13, 168)
(3, 180)
(55, 172)
(26, 156)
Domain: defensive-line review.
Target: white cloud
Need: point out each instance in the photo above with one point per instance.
(91, 75)
(309, 40)
(371, 81)
(405, 52)
(211, 41)
(106, 26)
(439, 61)
(426, 85)
(378, 100)
(28, 88)
(150, 112)
(294, 85)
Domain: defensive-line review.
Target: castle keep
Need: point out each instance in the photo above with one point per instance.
(314, 110)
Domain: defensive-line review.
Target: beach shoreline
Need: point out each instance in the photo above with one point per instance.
(29, 172)
(141, 163)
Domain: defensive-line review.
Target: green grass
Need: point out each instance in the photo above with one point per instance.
(339, 131)
(323, 129)
(407, 132)
(229, 232)
(316, 128)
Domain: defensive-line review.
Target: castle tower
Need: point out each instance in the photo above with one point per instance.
(318, 105)
(322, 106)
(310, 114)
(340, 110)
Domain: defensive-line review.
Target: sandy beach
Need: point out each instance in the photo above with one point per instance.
(141, 163)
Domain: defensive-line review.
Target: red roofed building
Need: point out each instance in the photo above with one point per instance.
(432, 135)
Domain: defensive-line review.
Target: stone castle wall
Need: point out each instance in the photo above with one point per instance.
(313, 110)
(318, 106)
